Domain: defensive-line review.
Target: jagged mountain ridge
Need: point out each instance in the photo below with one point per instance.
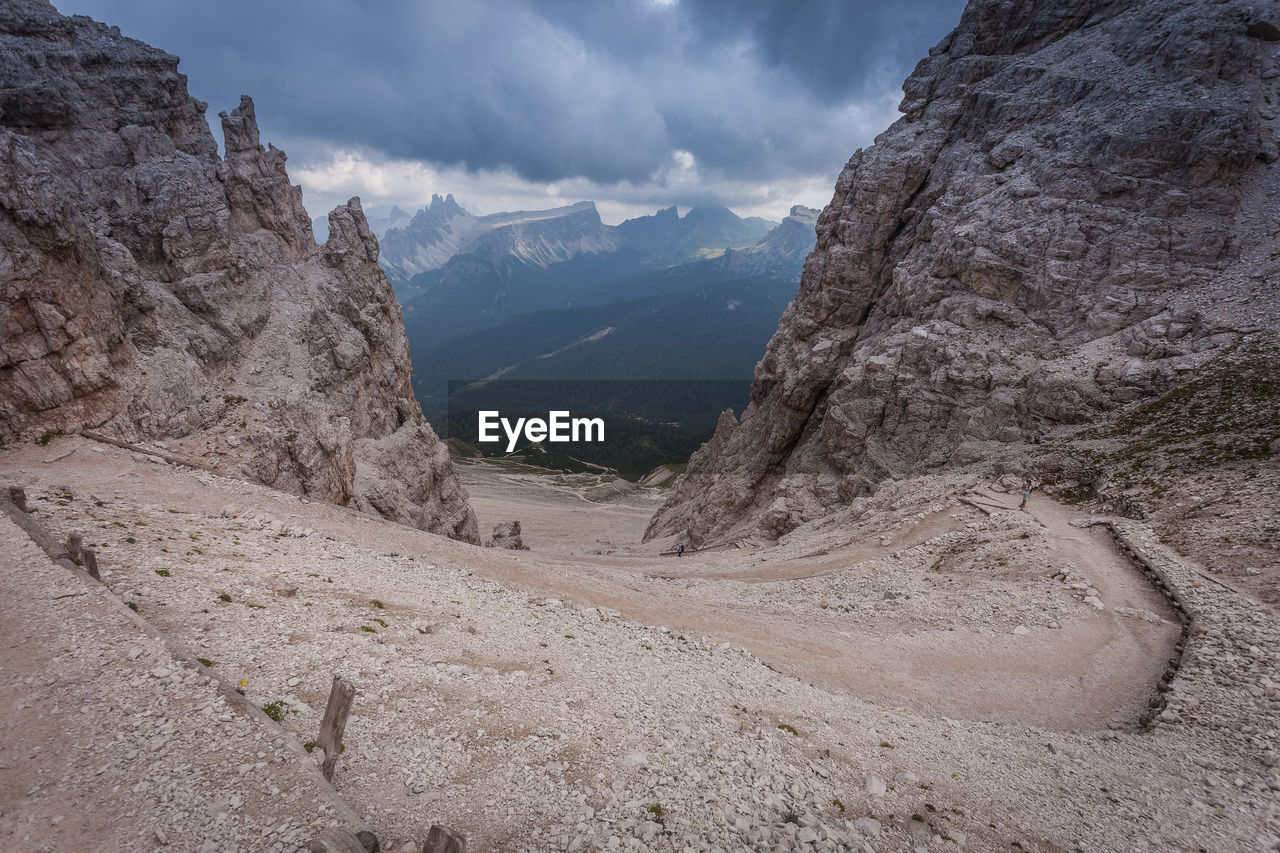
(783, 249)
(156, 291)
(444, 230)
(547, 264)
(705, 319)
(1049, 233)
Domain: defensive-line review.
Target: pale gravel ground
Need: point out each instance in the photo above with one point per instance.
(110, 742)
(465, 717)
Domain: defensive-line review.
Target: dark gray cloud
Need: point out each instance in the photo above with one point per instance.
(607, 91)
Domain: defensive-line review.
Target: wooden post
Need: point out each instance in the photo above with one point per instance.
(334, 722)
(91, 563)
(75, 547)
(18, 495)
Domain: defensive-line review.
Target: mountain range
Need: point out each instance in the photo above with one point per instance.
(557, 294)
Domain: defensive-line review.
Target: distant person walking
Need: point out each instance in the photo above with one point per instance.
(680, 550)
(1027, 488)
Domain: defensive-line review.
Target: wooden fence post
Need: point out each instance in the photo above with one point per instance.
(75, 547)
(91, 563)
(334, 722)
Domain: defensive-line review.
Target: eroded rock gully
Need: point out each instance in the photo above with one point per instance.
(152, 290)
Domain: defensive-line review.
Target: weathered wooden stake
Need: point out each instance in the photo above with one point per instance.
(18, 495)
(91, 563)
(75, 547)
(334, 722)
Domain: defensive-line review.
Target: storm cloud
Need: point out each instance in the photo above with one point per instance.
(700, 99)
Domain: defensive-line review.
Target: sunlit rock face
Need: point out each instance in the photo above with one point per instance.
(1043, 236)
(153, 290)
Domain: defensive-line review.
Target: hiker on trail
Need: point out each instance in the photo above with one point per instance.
(680, 550)
(1027, 488)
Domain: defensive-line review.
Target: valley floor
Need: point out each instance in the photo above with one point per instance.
(950, 673)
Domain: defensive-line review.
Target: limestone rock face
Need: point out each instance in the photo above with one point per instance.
(1051, 231)
(152, 290)
(506, 534)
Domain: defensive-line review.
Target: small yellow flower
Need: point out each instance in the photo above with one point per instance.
(244, 682)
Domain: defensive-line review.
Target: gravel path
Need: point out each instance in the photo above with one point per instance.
(493, 701)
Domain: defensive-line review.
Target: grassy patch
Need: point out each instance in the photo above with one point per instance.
(1227, 411)
(275, 710)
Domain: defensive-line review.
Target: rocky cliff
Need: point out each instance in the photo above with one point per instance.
(1070, 218)
(154, 290)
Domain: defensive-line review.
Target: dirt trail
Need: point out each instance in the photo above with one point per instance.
(1096, 669)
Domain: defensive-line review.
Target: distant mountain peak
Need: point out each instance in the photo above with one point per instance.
(444, 206)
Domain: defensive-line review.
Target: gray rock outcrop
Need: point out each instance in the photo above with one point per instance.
(152, 290)
(1055, 228)
(506, 534)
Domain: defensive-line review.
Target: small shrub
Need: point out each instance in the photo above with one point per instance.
(206, 662)
(164, 573)
(274, 710)
(378, 604)
(369, 629)
(791, 817)
(839, 805)
(381, 622)
(132, 606)
(659, 813)
(789, 729)
(222, 596)
(48, 436)
(886, 745)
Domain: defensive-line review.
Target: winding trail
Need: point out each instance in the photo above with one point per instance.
(1097, 670)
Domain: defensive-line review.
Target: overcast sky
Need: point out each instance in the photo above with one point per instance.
(509, 104)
